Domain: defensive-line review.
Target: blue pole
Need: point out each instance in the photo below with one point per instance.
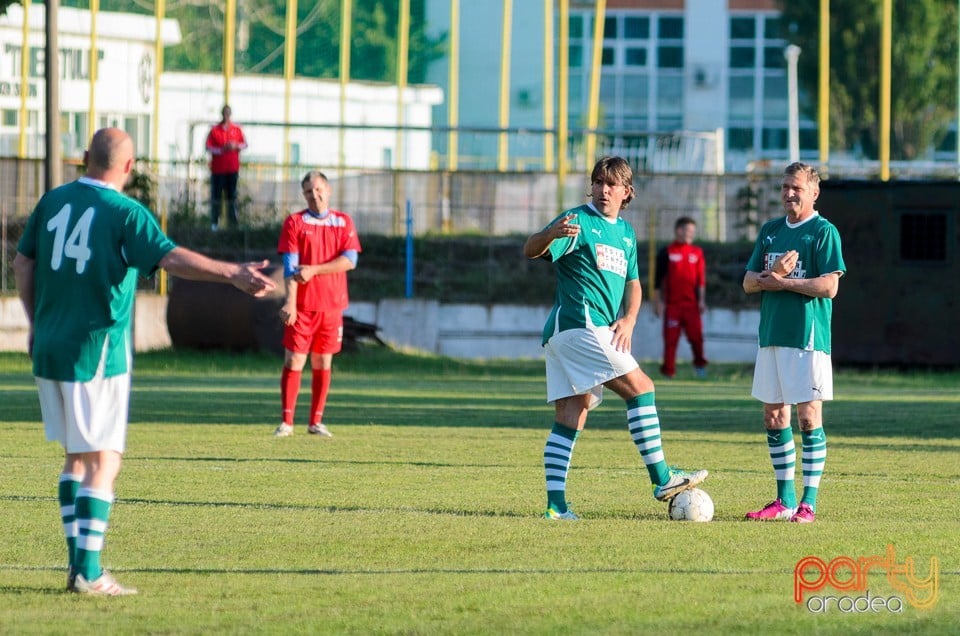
(409, 272)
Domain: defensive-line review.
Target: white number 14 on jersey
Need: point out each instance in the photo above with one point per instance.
(73, 246)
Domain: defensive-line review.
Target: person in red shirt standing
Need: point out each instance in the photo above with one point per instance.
(224, 143)
(319, 246)
(681, 282)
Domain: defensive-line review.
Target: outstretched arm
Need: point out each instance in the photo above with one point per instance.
(247, 277)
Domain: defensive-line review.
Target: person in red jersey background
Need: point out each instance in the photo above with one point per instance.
(224, 143)
(681, 282)
(319, 246)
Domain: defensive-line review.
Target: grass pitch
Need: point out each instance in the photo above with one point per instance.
(422, 514)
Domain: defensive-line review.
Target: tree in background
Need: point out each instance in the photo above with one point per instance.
(261, 30)
(260, 38)
(924, 71)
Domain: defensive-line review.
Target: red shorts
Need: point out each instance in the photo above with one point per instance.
(315, 332)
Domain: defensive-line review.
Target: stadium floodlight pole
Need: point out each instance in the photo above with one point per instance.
(160, 10)
(92, 114)
(823, 99)
(24, 83)
(403, 39)
(548, 85)
(792, 53)
(596, 64)
(346, 35)
(886, 43)
(563, 92)
(53, 162)
(506, 33)
(289, 70)
(229, 34)
(453, 88)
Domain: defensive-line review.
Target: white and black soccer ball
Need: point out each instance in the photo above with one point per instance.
(691, 505)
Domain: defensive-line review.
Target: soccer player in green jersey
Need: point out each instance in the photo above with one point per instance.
(796, 267)
(76, 270)
(588, 335)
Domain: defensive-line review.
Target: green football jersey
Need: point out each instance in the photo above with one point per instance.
(592, 269)
(789, 319)
(89, 243)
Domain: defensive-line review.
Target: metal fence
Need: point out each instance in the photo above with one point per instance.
(726, 208)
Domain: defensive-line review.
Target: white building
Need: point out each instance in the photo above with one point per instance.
(667, 65)
(190, 102)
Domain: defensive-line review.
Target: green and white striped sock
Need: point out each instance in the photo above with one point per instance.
(67, 495)
(644, 426)
(814, 457)
(93, 513)
(556, 463)
(783, 456)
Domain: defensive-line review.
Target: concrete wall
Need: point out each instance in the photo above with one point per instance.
(149, 331)
(461, 331)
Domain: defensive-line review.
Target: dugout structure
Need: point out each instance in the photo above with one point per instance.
(897, 304)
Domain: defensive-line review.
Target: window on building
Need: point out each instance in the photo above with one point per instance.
(743, 28)
(670, 28)
(10, 117)
(610, 30)
(636, 57)
(670, 57)
(631, 91)
(757, 94)
(636, 28)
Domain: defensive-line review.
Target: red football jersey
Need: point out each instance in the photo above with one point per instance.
(225, 161)
(681, 271)
(318, 241)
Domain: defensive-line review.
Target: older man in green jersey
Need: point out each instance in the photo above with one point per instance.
(796, 267)
(76, 270)
(588, 335)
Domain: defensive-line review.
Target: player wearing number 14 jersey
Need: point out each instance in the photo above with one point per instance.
(76, 269)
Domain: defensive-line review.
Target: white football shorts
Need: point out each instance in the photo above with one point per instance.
(784, 375)
(86, 416)
(579, 361)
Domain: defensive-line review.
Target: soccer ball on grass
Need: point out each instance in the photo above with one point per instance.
(691, 505)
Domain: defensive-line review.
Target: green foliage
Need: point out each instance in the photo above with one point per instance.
(924, 71)
(421, 515)
(260, 46)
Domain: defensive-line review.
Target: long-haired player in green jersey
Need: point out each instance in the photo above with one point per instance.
(588, 336)
(796, 267)
(76, 269)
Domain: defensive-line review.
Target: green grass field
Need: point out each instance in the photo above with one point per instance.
(422, 514)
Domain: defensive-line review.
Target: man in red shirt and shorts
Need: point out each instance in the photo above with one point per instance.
(224, 143)
(681, 281)
(319, 246)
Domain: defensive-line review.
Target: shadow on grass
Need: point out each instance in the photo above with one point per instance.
(381, 387)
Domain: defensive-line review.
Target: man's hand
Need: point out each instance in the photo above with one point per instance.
(785, 263)
(623, 334)
(304, 274)
(770, 281)
(288, 313)
(251, 280)
(564, 228)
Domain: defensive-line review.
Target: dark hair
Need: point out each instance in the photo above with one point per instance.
(683, 220)
(615, 169)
